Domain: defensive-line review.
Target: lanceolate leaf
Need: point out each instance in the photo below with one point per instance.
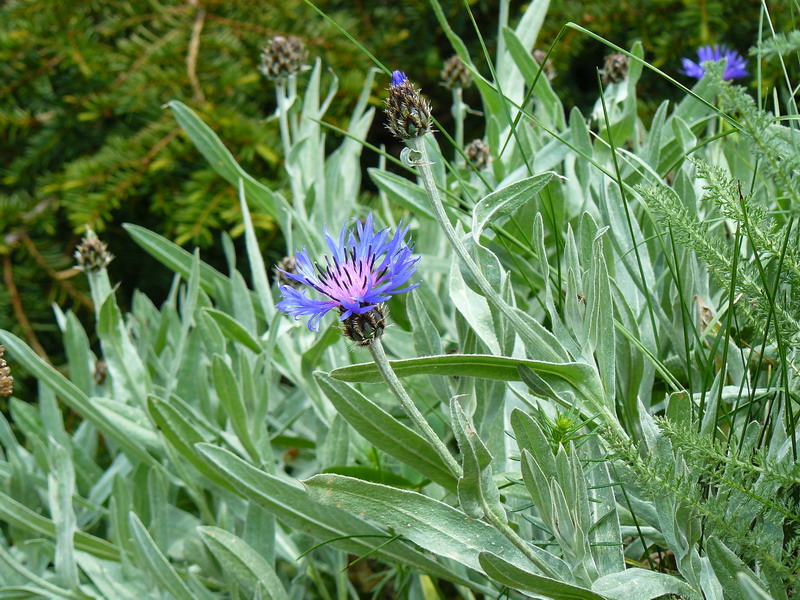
(385, 432)
(241, 562)
(434, 525)
(292, 506)
(511, 575)
(506, 200)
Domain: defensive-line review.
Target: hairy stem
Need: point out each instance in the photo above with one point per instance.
(382, 362)
(458, 117)
(283, 117)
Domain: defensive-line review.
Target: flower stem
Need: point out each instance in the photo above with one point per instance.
(425, 171)
(382, 362)
(458, 117)
(283, 117)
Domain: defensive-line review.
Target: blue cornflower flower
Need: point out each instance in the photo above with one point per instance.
(398, 77)
(363, 271)
(734, 66)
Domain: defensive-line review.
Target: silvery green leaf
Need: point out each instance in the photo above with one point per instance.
(477, 491)
(548, 108)
(61, 487)
(505, 201)
(242, 563)
(405, 192)
(511, 575)
(129, 376)
(751, 588)
(221, 160)
(152, 559)
(600, 319)
(385, 432)
(293, 507)
(727, 567)
(473, 307)
(435, 526)
(639, 584)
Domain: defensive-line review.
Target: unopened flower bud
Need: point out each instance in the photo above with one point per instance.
(100, 372)
(283, 56)
(408, 112)
(6, 380)
(549, 70)
(363, 329)
(285, 267)
(455, 73)
(92, 254)
(615, 68)
(477, 153)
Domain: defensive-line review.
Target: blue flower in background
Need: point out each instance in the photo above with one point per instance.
(362, 271)
(734, 67)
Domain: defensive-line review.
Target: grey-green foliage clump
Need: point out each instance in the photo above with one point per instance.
(596, 378)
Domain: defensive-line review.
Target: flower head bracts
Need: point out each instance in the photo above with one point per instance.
(408, 112)
(735, 63)
(362, 271)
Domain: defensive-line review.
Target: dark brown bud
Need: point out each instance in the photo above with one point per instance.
(364, 329)
(455, 73)
(92, 254)
(408, 112)
(549, 69)
(286, 265)
(615, 68)
(477, 153)
(6, 380)
(283, 56)
(100, 372)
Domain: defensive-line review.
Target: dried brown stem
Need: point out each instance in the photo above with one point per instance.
(19, 312)
(191, 56)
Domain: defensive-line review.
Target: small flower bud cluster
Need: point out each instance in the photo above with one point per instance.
(92, 254)
(477, 153)
(455, 73)
(6, 380)
(286, 266)
(365, 328)
(615, 68)
(408, 112)
(549, 69)
(283, 56)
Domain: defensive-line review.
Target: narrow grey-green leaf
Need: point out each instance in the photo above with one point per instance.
(176, 258)
(403, 191)
(221, 160)
(61, 487)
(477, 491)
(19, 515)
(154, 561)
(242, 563)
(727, 566)
(434, 525)
(506, 200)
(233, 330)
(294, 508)
(72, 396)
(639, 584)
(511, 575)
(230, 395)
(385, 432)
